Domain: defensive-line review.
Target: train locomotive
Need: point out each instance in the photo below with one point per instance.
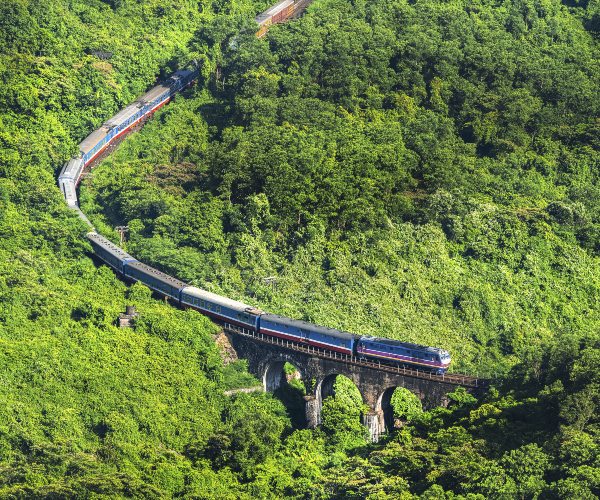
(240, 315)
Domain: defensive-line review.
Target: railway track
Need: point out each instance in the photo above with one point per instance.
(447, 378)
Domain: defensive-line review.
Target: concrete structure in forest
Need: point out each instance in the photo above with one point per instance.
(266, 361)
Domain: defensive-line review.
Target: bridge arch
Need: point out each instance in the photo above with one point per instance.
(384, 404)
(274, 375)
(284, 378)
(324, 388)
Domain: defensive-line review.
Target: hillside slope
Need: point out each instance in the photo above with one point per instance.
(365, 156)
(421, 171)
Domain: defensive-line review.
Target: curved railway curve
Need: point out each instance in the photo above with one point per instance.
(410, 360)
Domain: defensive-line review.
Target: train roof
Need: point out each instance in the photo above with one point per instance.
(305, 325)
(416, 347)
(262, 19)
(220, 300)
(108, 245)
(154, 93)
(72, 169)
(70, 194)
(91, 140)
(270, 12)
(159, 275)
(182, 73)
(278, 7)
(123, 115)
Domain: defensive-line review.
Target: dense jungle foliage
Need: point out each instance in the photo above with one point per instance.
(422, 170)
(425, 171)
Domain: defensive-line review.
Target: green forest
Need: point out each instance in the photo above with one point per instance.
(424, 170)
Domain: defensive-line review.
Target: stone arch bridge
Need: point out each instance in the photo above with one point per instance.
(318, 368)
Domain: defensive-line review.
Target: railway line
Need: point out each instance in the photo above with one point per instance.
(447, 378)
(379, 354)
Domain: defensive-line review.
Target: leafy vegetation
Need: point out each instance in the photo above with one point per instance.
(88, 409)
(537, 439)
(420, 170)
(423, 171)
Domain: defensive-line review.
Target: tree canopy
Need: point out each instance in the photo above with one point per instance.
(420, 170)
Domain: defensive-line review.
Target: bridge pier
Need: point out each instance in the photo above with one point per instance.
(374, 422)
(312, 408)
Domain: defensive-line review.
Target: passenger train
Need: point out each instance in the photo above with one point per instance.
(279, 13)
(95, 143)
(223, 309)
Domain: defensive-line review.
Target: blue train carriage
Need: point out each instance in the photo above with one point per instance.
(154, 279)
(301, 331)
(99, 139)
(125, 119)
(404, 353)
(108, 252)
(158, 96)
(221, 308)
(69, 191)
(161, 94)
(95, 143)
(185, 77)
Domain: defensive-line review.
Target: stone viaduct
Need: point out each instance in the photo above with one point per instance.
(376, 385)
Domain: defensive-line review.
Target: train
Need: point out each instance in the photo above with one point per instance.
(222, 309)
(278, 13)
(111, 130)
(94, 144)
(254, 320)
